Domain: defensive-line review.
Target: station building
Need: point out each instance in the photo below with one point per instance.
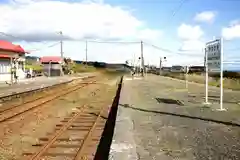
(11, 56)
(52, 65)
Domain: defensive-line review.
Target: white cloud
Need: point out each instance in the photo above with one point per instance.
(40, 20)
(192, 45)
(191, 37)
(188, 32)
(231, 32)
(77, 20)
(206, 16)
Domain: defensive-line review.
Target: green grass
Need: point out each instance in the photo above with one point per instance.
(113, 72)
(34, 67)
(79, 68)
(229, 83)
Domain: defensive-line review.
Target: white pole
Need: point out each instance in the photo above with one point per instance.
(221, 78)
(142, 60)
(61, 45)
(86, 52)
(186, 77)
(206, 77)
(160, 66)
(49, 69)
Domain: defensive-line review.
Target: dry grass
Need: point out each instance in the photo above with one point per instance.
(229, 83)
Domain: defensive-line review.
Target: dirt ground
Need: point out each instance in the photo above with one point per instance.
(18, 135)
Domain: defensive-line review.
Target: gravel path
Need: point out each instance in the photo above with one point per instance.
(17, 136)
(161, 131)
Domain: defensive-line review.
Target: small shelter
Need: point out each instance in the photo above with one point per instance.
(11, 56)
(52, 65)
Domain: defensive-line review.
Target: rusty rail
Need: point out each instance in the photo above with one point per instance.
(77, 136)
(82, 123)
(44, 96)
(40, 89)
(37, 103)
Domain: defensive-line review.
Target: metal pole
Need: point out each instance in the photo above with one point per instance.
(49, 69)
(221, 77)
(186, 77)
(86, 52)
(61, 51)
(142, 60)
(61, 45)
(206, 77)
(11, 61)
(160, 66)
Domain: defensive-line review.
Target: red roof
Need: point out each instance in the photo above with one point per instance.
(19, 48)
(8, 46)
(47, 59)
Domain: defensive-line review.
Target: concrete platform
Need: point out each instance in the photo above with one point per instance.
(35, 83)
(148, 129)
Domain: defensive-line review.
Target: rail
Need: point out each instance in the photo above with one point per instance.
(8, 96)
(76, 137)
(9, 113)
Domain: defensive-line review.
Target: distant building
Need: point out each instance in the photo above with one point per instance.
(178, 69)
(12, 57)
(52, 65)
(196, 69)
(167, 69)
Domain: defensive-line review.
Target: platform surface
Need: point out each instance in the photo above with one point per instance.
(149, 127)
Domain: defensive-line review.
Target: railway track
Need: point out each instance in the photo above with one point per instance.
(75, 138)
(25, 107)
(15, 95)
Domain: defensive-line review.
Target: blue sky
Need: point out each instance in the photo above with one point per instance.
(159, 14)
(148, 20)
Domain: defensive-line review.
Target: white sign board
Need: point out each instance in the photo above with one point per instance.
(214, 56)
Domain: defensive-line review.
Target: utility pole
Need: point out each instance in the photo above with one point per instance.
(142, 59)
(61, 50)
(160, 66)
(61, 45)
(134, 62)
(86, 51)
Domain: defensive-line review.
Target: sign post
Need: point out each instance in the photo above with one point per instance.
(160, 65)
(214, 64)
(221, 79)
(206, 78)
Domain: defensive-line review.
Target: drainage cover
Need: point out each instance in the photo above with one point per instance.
(169, 101)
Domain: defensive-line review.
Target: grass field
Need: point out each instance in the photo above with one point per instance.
(230, 83)
(79, 68)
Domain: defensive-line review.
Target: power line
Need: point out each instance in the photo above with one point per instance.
(178, 7)
(34, 50)
(50, 46)
(175, 11)
(169, 51)
(120, 42)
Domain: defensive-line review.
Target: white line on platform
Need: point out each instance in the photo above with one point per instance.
(135, 78)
